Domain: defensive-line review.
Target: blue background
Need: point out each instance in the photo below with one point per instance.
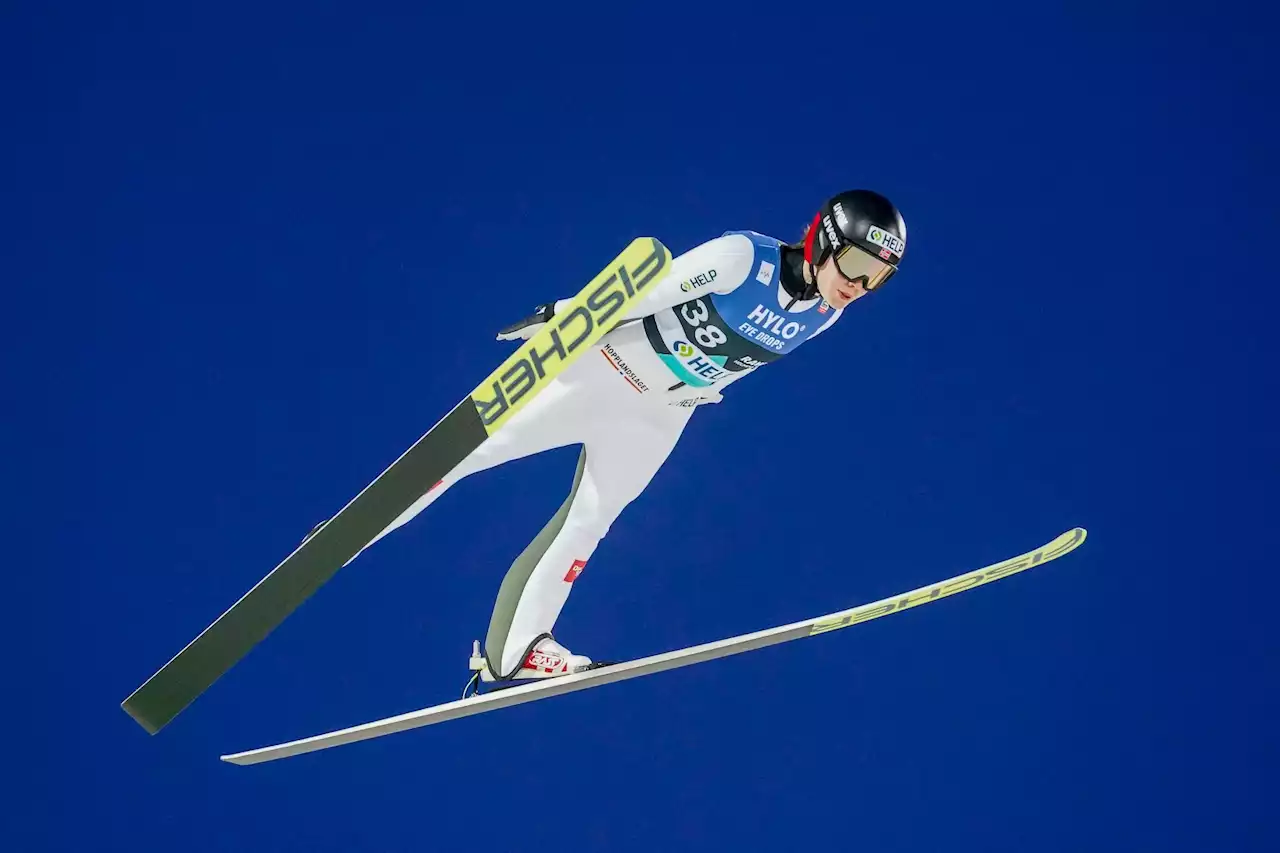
(251, 252)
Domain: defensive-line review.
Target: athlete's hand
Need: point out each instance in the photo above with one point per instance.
(529, 326)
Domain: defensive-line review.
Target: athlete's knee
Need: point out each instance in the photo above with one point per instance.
(592, 519)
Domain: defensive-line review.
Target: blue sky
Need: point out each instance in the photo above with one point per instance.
(252, 253)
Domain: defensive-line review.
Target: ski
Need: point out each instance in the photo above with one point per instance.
(507, 697)
(596, 309)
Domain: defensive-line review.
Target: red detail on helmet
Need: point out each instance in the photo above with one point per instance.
(808, 238)
(884, 253)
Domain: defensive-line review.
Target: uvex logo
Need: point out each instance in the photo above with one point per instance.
(586, 321)
(830, 228)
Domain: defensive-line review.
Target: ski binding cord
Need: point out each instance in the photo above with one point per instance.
(477, 664)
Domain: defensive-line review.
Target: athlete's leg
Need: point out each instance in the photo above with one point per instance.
(548, 421)
(622, 453)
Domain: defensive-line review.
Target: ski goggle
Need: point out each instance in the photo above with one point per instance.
(861, 267)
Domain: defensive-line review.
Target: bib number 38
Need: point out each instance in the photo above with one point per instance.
(695, 314)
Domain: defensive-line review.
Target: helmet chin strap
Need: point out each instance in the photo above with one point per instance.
(810, 288)
(811, 291)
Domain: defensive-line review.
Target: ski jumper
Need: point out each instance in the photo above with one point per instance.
(719, 314)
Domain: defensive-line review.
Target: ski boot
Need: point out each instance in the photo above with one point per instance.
(545, 659)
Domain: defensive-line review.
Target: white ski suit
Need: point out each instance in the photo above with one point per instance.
(718, 314)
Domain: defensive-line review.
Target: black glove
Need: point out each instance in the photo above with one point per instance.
(529, 326)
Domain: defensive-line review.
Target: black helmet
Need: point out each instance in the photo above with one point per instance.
(865, 233)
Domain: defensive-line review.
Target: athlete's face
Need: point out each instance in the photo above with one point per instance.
(835, 288)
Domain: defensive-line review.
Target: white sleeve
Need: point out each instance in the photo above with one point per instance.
(716, 266)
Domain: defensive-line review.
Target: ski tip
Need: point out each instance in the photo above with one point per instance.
(1065, 543)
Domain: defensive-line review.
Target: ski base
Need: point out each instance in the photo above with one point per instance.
(507, 697)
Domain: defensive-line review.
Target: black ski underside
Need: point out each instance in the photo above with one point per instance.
(220, 646)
